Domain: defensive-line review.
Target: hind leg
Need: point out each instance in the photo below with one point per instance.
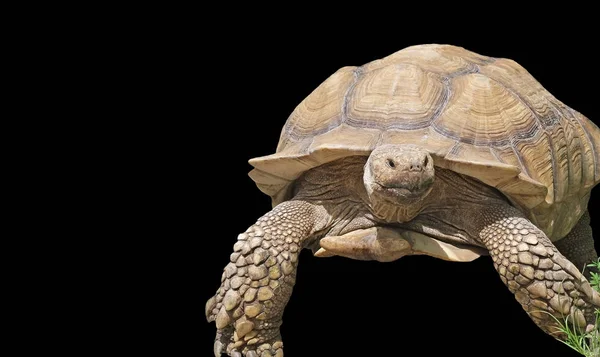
(578, 245)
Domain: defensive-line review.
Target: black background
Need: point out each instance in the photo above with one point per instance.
(416, 306)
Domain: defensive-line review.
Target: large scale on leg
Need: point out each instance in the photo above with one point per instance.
(432, 150)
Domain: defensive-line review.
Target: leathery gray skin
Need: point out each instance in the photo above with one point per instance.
(396, 186)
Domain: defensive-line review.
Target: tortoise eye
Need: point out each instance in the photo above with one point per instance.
(391, 163)
(426, 161)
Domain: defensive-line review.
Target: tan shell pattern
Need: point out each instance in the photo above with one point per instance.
(480, 116)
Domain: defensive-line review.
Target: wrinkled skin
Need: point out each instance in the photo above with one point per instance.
(350, 201)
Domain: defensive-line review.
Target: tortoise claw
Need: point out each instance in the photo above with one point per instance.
(323, 253)
(218, 348)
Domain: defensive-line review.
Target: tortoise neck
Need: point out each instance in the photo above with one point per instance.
(338, 187)
(394, 212)
(334, 182)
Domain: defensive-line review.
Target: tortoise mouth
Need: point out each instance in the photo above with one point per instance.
(402, 194)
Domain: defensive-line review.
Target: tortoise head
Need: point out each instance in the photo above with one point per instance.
(398, 178)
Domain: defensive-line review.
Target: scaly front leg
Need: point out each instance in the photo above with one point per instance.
(258, 281)
(544, 282)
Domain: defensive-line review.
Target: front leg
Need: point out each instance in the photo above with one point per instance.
(257, 283)
(543, 280)
(578, 246)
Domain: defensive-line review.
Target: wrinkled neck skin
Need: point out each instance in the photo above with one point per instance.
(396, 213)
(339, 186)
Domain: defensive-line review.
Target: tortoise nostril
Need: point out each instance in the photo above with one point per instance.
(391, 163)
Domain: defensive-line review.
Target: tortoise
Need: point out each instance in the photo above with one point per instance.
(432, 150)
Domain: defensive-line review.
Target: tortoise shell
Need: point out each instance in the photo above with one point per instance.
(484, 117)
